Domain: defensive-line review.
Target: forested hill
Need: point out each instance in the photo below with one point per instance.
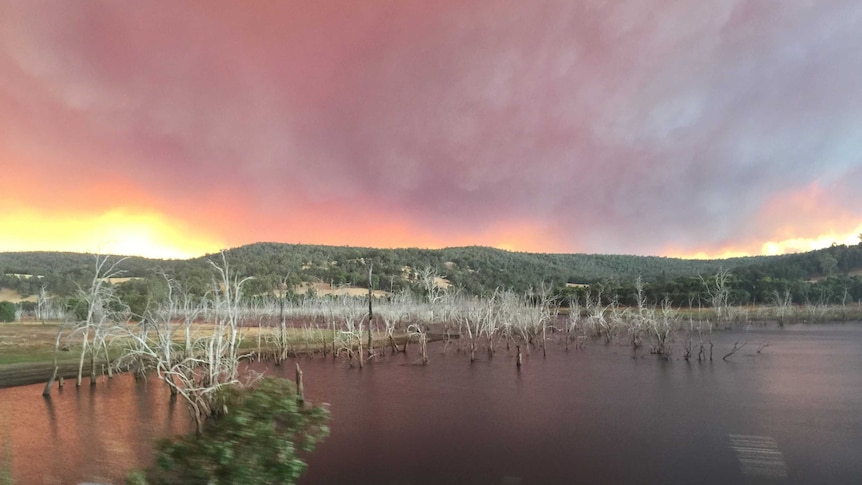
(476, 269)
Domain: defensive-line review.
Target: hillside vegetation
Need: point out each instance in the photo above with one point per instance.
(830, 273)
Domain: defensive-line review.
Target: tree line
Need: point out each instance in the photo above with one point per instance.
(829, 275)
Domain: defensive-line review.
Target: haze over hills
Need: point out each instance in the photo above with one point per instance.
(475, 269)
(336, 263)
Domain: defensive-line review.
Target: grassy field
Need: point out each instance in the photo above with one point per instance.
(28, 342)
(27, 351)
(32, 344)
(11, 295)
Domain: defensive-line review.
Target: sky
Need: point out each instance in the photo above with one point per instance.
(658, 127)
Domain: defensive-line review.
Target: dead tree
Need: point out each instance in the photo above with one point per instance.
(782, 304)
(428, 279)
(737, 346)
(641, 321)
(661, 328)
(370, 309)
(491, 321)
(717, 289)
(393, 314)
(281, 338)
(573, 321)
(97, 316)
(474, 321)
(212, 362)
(42, 303)
(47, 391)
(603, 319)
(420, 332)
(352, 317)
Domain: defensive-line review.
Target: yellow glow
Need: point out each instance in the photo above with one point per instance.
(772, 248)
(719, 254)
(118, 231)
(800, 244)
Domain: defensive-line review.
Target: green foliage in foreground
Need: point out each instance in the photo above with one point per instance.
(259, 439)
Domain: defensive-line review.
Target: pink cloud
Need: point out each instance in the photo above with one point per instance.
(604, 127)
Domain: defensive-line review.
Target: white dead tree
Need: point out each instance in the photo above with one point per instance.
(370, 331)
(228, 311)
(42, 303)
(539, 310)
(211, 360)
(688, 343)
(641, 321)
(281, 337)
(176, 312)
(818, 310)
(717, 289)
(97, 316)
(352, 316)
(491, 320)
(600, 320)
(429, 281)
(783, 304)
(393, 315)
(333, 321)
(662, 327)
(419, 331)
(508, 308)
(473, 320)
(573, 324)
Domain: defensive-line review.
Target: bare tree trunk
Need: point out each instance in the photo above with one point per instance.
(735, 349)
(50, 384)
(300, 391)
(108, 361)
(81, 359)
(92, 368)
(172, 385)
(423, 346)
(359, 356)
(394, 345)
(544, 340)
(370, 309)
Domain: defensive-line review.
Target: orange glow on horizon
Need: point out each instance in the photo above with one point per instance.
(786, 245)
(117, 231)
(800, 244)
(154, 234)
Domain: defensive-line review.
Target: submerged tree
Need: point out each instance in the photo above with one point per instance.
(208, 363)
(98, 315)
(717, 289)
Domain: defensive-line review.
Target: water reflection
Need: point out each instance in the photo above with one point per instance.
(91, 434)
(583, 416)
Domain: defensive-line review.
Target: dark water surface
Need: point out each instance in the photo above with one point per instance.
(790, 414)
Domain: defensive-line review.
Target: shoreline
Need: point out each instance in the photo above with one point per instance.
(30, 373)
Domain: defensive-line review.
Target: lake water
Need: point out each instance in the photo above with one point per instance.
(789, 414)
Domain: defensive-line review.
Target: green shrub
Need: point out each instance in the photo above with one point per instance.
(259, 439)
(7, 311)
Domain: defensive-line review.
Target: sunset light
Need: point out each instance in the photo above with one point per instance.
(799, 245)
(171, 129)
(113, 232)
(636, 224)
